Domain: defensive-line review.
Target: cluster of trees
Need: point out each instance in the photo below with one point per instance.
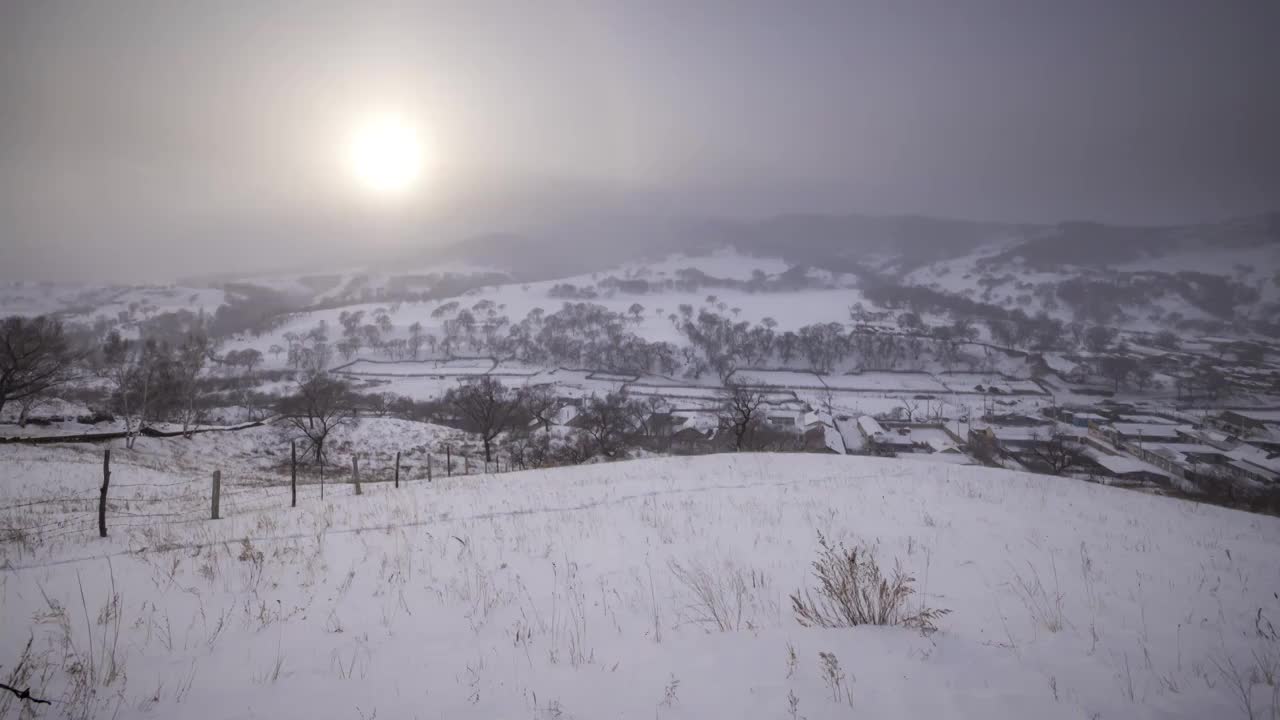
(309, 351)
(578, 335)
(35, 357)
(249, 308)
(688, 280)
(721, 345)
(248, 359)
(488, 408)
(402, 288)
(154, 380)
(162, 378)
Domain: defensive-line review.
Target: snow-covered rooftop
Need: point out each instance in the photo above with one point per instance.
(870, 426)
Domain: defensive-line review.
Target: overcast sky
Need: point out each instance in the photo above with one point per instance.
(142, 140)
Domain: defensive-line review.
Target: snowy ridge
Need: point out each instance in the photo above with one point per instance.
(551, 593)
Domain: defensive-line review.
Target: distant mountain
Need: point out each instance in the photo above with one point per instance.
(817, 240)
(898, 243)
(1097, 245)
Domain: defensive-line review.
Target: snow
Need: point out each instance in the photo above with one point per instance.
(1260, 460)
(482, 366)
(550, 594)
(1147, 419)
(1151, 431)
(1122, 464)
(869, 427)
(886, 382)
(725, 263)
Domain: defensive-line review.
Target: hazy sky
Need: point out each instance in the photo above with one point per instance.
(158, 139)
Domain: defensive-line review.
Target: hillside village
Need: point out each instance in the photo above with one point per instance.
(647, 357)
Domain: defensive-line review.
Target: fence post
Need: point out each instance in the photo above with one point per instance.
(293, 483)
(217, 491)
(466, 465)
(448, 461)
(321, 479)
(428, 467)
(397, 469)
(355, 473)
(102, 499)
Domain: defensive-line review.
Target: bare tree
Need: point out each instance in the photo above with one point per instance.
(529, 449)
(249, 358)
(34, 357)
(1098, 338)
(416, 339)
(1118, 368)
(1059, 452)
(135, 370)
(741, 413)
(321, 404)
(485, 407)
(188, 364)
(541, 403)
(609, 419)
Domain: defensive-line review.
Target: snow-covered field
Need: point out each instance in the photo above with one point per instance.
(555, 594)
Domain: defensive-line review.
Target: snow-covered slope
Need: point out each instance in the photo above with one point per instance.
(557, 594)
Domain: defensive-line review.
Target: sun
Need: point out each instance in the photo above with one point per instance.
(386, 155)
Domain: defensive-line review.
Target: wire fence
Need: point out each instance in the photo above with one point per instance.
(132, 504)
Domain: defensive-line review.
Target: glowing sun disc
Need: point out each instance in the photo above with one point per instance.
(386, 155)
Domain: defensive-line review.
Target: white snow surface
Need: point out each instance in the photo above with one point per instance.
(551, 594)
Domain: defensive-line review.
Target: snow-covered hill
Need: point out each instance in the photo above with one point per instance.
(1216, 277)
(558, 594)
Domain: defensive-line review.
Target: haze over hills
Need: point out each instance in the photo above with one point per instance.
(566, 360)
(1219, 276)
(819, 240)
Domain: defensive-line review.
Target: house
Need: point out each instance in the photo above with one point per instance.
(782, 422)
(1146, 418)
(1252, 463)
(1183, 460)
(1130, 469)
(1010, 439)
(690, 438)
(869, 427)
(1119, 432)
(1237, 423)
(1084, 419)
(897, 441)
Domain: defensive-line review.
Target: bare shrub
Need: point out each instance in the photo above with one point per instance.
(716, 599)
(853, 591)
(1044, 607)
(1260, 670)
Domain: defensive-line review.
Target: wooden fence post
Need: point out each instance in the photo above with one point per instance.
(102, 499)
(466, 465)
(355, 473)
(217, 491)
(321, 479)
(293, 482)
(428, 467)
(448, 461)
(397, 469)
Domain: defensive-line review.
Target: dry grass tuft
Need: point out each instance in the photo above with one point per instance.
(852, 591)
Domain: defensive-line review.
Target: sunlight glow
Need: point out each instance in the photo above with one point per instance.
(386, 155)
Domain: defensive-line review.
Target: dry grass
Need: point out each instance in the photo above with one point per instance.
(1045, 607)
(715, 599)
(852, 591)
